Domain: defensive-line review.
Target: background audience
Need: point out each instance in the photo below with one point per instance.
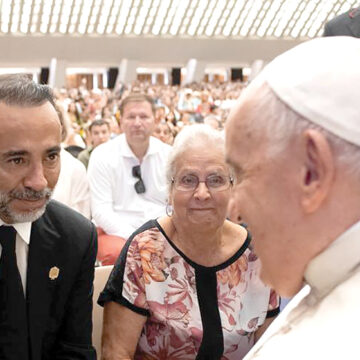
(127, 177)
(98, 133)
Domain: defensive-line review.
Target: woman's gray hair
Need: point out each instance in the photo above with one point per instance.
(190, 137)
(280, 124)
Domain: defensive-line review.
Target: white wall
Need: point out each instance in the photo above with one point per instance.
(109, 51)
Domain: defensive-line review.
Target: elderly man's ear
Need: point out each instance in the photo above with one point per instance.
(318, 170)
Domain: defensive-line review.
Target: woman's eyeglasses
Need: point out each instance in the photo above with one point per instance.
(213, 182)
(139, 185)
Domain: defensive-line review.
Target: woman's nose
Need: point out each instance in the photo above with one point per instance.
(202, 191)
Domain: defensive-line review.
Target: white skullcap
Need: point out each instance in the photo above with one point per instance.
(320, 80)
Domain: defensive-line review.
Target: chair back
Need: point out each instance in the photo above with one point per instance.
(101, 276)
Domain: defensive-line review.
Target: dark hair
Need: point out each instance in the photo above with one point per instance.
(132, 98)
(99, 123)
(19, 89)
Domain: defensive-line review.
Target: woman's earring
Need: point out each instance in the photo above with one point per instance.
(169, 210)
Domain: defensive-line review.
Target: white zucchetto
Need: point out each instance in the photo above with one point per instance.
(320, 80)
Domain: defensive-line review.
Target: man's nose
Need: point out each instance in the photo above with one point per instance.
(35, 178)
(137, 120)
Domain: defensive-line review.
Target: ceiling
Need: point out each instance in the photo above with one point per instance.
(180, 19)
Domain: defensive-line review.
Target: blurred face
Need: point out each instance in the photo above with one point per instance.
(185, 118)
(99, 135)
(29, 160)
(114, 126)
(267, 200)
(202, 205)
(163, 133)
(160, 113)
(138, 122)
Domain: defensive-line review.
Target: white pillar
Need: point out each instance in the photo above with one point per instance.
(195, 71)
(95, 81)
(127, 71)
(256, 67)
(57, 73)
(105, 79)
(166, 77)
(153, 78)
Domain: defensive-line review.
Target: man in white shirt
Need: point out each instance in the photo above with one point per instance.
(294, 141)
(72, 188)
(127, 177)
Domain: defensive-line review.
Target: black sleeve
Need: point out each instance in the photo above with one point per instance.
(75, 337)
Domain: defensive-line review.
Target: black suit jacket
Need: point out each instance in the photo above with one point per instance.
(60, 310)
(347, 24)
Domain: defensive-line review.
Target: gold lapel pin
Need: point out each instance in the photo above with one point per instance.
(54, 273)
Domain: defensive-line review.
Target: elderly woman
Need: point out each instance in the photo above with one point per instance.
(186, 286)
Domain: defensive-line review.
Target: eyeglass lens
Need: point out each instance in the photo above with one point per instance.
(191, 182)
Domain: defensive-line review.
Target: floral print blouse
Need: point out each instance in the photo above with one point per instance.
(193, 311)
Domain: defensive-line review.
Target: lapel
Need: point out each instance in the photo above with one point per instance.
(43, 255)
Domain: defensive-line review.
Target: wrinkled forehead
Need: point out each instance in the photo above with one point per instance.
(201, 158)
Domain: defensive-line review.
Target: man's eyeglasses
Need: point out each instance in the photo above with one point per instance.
(213, 182)
(139, 185)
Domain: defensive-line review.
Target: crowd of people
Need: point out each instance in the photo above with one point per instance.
(91, 118)
(175, 107)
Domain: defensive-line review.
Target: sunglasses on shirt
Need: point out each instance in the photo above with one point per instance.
(139, 185)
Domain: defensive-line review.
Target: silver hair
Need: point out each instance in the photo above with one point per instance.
(281, 124)
(191, 137)
(20, 90)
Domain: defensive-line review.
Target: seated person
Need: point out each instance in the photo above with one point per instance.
(188, 283)
(99, 133)
(72, 188)
(164, 133)
(127, 177)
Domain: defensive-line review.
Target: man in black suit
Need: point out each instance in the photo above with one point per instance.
(347, 24)
(45, 308)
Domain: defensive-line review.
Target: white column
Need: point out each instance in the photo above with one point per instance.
(153, 78)
(195, 71)
(127, 71)
(166, 77)
(256, 67)
(57, 73)
(105, 79)
(95, 81)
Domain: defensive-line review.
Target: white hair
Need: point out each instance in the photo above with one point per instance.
(280, 124)
(191, 137)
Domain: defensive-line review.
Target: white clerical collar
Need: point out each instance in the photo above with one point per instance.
(336, 263)
(23, 229)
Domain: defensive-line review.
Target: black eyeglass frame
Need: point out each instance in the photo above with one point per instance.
(139, 185)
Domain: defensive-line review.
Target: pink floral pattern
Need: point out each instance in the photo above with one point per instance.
(158, 279)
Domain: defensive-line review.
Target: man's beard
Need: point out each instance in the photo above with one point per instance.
(13, 217)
